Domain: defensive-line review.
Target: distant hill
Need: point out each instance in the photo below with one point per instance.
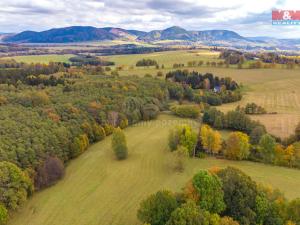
(63, 35)
(207, 37)
(172, 33)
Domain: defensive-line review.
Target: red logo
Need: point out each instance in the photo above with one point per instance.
(286, 15)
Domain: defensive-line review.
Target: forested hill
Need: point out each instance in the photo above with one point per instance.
(88, 33)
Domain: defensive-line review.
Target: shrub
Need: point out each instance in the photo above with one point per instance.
(188, 111)
(119, 144)
(49, 172)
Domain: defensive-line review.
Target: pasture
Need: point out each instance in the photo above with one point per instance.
(97, 189)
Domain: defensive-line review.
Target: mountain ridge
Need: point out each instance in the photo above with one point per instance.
(90, 33)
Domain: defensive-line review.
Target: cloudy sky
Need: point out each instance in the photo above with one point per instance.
(247, 17)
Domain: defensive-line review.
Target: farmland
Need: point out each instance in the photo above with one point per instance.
(104, 191)
(274, 89)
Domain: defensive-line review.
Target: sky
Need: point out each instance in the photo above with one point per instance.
(247, 17)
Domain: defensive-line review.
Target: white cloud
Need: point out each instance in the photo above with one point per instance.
(246, 17)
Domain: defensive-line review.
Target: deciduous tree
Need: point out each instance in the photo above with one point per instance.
(157, 208)
(209, 188)
(237, 146)
(211, 140)
(15, 185)
(119, 144)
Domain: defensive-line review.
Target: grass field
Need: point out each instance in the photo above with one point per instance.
(98, 189)
(163, 58)
(43, 58)
(277, 89)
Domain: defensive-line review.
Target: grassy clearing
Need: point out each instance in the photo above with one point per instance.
(97, 189)
(43, 58)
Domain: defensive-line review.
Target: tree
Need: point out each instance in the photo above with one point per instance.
(256, 134)
(150, 111)
(49, 172)
(119, 144)
(188, 139)
(227, 221)
(279, 155)
(173, 139)
(218, 122)
(239, 195)
(293, 210)
(185, 136)
(267, 146)
(268, 209)
(209, 188)
(189, 214)
(157, 208)
(237, 146)
(206, 84)
(211, 140)
(99, 132)
(289, 155)
(15, 185)
(180, 157)
(3, 215)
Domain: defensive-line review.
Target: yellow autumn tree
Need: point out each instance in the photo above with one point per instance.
(279, 155)
(237, 146)
(211, 139)
(290, 155)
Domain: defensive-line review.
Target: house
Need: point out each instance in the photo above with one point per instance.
(217, 89)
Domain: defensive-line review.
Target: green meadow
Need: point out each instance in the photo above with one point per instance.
(43, 58)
